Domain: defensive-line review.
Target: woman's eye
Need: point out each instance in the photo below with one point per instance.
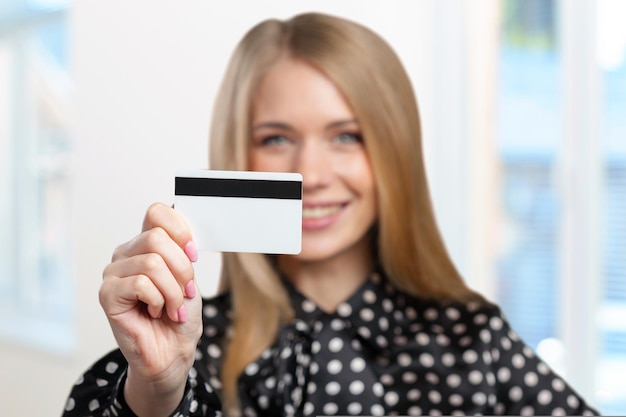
(346, 138)
(274, 140)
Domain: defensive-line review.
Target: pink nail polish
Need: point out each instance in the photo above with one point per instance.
(190, 251)
(190, 289)
(182, 314)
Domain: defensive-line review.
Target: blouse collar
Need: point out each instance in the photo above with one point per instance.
(376, 302)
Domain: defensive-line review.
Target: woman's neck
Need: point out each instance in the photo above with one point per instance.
(332, 281)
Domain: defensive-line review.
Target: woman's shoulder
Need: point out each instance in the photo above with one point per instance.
(458, 317)
(447, 316)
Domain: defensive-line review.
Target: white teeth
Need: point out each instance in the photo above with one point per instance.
(319, 211)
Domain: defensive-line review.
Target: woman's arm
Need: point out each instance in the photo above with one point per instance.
(526, 385)
(99, 392)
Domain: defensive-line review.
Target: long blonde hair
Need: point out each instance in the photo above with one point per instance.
(408, 244)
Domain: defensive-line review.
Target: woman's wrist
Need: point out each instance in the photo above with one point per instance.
(154, 397)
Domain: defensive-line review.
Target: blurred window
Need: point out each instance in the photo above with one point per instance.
(36, 295)
(611, 41)
(529, 131)
(561, 279)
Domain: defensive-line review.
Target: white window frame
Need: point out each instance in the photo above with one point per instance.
(461, 165)
(25, 325)
(581, 181)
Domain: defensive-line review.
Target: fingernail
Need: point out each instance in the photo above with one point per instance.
(182, 314)
(190, 289)
(190, 250)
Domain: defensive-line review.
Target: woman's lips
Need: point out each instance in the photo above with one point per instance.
(316, 217)
(317, 212)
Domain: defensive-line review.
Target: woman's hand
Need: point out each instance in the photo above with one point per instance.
(149, 296)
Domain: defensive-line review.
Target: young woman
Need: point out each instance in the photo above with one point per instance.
(371, 318)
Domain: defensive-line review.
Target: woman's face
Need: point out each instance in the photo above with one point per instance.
(301, 123)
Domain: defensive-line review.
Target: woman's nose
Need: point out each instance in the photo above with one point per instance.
(315, 165)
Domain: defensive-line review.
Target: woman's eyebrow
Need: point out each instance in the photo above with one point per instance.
(285, 126)
(272, 125)
(341, 123)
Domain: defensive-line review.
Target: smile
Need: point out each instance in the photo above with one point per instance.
(319, 212)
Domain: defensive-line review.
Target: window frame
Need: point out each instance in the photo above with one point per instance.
(28, 325)
(466, 48)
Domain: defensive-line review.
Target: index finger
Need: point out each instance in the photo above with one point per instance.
(165, 217)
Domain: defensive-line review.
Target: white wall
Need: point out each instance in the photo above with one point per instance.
(146, 73)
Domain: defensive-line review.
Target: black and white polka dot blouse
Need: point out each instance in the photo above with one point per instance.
(383, 352)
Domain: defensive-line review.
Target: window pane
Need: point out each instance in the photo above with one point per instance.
(35, 283)
(612, 361)
(529, 130)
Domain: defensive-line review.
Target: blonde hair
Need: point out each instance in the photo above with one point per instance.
(408, 244)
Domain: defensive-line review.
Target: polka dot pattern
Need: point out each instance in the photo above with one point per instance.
(383, 352)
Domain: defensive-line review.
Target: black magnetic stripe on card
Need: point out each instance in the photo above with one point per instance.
(231, 187)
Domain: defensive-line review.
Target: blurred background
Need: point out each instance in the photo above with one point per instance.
(524, 111)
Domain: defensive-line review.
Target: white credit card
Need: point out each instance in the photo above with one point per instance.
(241, 211)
